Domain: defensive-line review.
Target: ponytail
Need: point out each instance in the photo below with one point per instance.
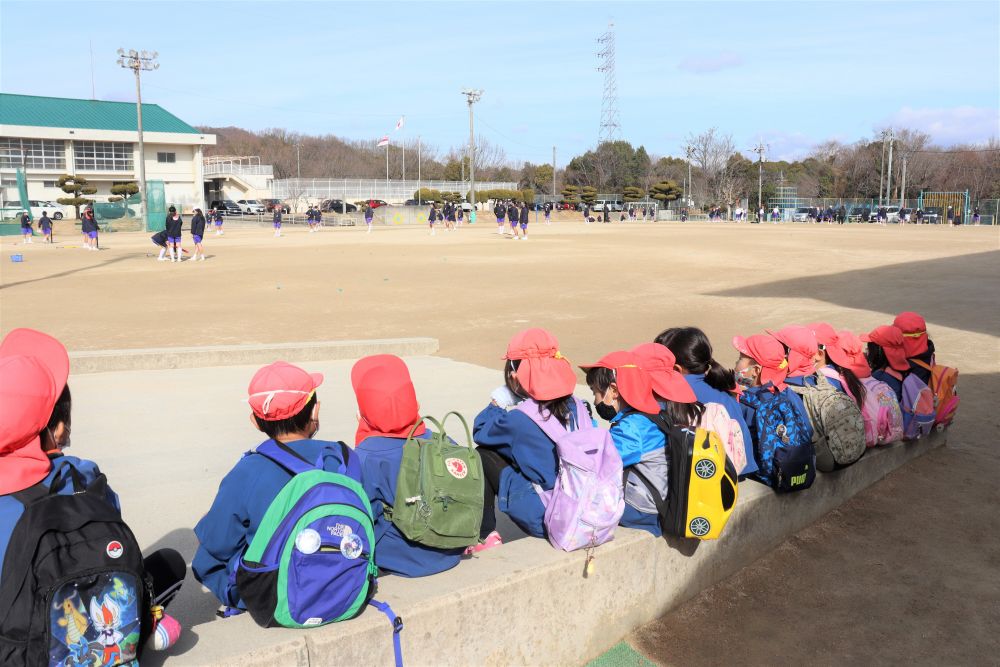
(693, 352)
(852, 382)
(683, 414)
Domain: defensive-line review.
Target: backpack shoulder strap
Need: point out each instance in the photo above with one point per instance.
(922, 364)
(285, 457)
(550, 427)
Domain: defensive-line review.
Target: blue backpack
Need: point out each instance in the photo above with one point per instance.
(312, 559)
(786, 459)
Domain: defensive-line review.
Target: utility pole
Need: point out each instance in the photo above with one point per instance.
(881, 174)
(553, 171)
(139, 61)
(419, 203)
(888, 177)
(472, 96)
(905, 155)
(759, 150)
(298, 163)
(690, 188)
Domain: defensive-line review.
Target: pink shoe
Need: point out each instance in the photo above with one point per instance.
(492, 540)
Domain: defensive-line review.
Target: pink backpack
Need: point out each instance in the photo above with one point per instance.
(583, 508)
(716, 418)
(883, 417)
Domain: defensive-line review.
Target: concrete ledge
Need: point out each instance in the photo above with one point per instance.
(99, 361)
(527, 604)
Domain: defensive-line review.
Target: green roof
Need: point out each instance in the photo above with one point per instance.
(38, 111)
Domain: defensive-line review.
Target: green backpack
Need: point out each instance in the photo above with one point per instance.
(439, 490)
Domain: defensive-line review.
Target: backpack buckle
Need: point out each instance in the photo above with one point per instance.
(397, 625)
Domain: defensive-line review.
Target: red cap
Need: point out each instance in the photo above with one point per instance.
(849, 352)
(386, 398)
(825, 335)
(543, 372)
(767, 352)
(33, 371)
(802, 349)
(890, 339)
(280, 390)
(634, 383)
(914, 330)
(667, 381)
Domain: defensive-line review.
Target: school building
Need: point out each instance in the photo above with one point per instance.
(99, 141)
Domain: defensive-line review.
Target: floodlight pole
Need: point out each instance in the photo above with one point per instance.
(888, 177)
(472, 96)
(138, 61)
(759, 150)
(690, 189)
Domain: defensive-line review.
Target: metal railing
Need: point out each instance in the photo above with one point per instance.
(237, 169)
(359, 189)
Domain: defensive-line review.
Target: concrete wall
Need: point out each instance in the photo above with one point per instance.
(526, 603)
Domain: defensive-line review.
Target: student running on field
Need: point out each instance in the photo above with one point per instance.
(174, 223)
(45, 225)
(26, 232)
(89, 229)
(276, 221)
(197, 234)
(369, 215)
(432, 216)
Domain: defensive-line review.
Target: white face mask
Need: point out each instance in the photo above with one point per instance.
(743, 379)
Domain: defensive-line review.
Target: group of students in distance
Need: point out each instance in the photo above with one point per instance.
(301, 527)
(169, 239)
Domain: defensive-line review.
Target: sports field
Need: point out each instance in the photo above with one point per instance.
(913, 559)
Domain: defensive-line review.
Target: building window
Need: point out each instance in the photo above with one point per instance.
(32, 153)
(168, 158)
(48, 184)
(102, 156)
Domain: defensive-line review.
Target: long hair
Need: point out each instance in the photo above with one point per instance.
(556, 407)
(693, 352)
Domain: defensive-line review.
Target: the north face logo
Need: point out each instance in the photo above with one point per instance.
(457, 468)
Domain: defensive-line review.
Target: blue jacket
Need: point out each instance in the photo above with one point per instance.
(231, 523)
(640, 442)
(380, 460)
(802, 381)
(705, 393)
(533, 460)
(11, 508)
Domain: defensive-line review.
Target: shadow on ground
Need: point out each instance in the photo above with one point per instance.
(907, 571)
(930, 283)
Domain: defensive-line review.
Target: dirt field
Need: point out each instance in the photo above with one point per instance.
(907, 572)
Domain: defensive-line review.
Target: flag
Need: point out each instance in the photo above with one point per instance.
(399, 123)
(384, 141)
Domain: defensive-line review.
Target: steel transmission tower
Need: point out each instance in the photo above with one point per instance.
(610, 120)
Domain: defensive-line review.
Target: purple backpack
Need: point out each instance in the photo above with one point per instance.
(587, 501)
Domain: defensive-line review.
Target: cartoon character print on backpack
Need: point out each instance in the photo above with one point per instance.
(786, 459)
(94, 621)
(881, 412)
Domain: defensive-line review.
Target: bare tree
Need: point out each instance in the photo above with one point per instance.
(711, 151)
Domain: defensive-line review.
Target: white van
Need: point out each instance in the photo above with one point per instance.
(611, 204)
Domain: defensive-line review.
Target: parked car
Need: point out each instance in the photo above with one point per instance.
(411, 202)
(250, 206)
(932, 215)
(227, 206)
(377, 203)
(270, 204)
(892, 214)
(337, 206)
(859, 214)
(804, 214)
(37, 206)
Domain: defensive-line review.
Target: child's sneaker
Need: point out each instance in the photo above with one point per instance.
(492, 540)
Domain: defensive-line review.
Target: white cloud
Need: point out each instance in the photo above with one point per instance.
(947, 126)
(709, 64)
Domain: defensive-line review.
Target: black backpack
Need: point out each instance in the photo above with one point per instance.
(73, 589)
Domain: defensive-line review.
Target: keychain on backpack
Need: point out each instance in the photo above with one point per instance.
(588, 568)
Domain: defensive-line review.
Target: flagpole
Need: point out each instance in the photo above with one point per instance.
(387, 169)
(419, 203)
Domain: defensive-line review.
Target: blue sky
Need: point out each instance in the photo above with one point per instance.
(794, 73)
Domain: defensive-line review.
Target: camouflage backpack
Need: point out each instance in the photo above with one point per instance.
(838, 426)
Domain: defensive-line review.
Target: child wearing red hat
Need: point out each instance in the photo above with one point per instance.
(762, 366)
(916, 344)
(835, 364)
(624, 396)
(711, 382)
(35, 421)
(284, 406)
(387, 414)
(887, 357)
(517, 456)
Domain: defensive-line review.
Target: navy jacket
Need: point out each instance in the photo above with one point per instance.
(45, 223)
(243, 498)
(173, 226)
(277, 215)
(524, 215)
(198, 225)
(380, 460)
(532, 455)
(11, 508)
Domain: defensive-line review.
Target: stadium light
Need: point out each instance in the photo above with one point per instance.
(139, 62)
(472, 96)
